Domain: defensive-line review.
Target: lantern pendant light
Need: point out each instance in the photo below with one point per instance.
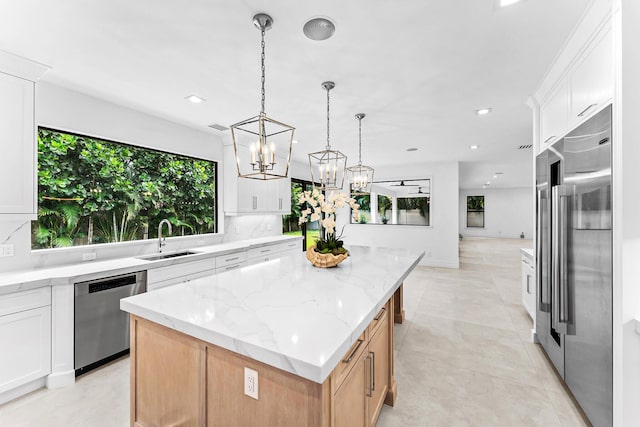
(360, 176)
(328, 167)
(262, 145)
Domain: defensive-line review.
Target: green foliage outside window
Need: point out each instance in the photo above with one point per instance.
(94, 191)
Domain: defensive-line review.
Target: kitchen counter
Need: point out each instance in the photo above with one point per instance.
(67, 274)
(284, 313)
(528, 252)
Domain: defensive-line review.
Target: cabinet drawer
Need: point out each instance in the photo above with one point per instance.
(179, 270)
(378, 319)
(25, 300)
(288, 246)
(262, 251)
(230, 267)
(349, 360)
(230, 259)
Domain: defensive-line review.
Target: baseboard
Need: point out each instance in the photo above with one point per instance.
(14, 393)
(61, 379)
(430, 262)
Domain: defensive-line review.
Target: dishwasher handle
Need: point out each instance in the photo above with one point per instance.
(102, 285)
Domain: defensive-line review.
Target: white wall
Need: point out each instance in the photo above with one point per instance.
(440, 240)
(507, 212)
(626, 205)
(63, 109)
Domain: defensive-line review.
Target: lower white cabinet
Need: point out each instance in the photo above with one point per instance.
(529, 286)
(25, 335)
(166, 276)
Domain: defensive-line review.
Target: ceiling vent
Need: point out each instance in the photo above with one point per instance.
(216, 126)
(525, 147)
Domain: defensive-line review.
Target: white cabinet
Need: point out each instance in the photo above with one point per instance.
(17, 145)
(266, 253)
(166, 276)
(592, 78)
(253, 196)
(25, 334)
(554, 115)
(529, 286)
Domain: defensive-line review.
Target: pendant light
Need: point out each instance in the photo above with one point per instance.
(360, 176)
(262, 145)
(328, 167)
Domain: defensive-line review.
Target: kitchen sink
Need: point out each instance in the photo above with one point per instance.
(167, 255)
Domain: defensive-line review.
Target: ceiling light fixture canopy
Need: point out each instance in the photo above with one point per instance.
(257, 140)
(328, 167)
(360, 176)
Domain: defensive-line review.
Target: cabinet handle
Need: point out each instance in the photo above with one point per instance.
(232, 267)
(379, 316)
(280, 203)
(549, 139)
(266, 250)
(232, 259)
(353, 353)
(528, 282)
(369, 392)
(255, 202)
(373, 371)
(586, 109)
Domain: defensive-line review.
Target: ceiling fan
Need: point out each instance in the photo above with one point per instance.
(419, 191)
(402, 184)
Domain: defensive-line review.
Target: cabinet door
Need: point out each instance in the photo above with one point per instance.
(350, 400)
(379, 359)
(554, 115)
(592, 79)
(17, 174)
(28, 357)
(247, 199)
(284, 196)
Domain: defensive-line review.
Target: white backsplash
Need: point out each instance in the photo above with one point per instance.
(250, 226)
(18, 234)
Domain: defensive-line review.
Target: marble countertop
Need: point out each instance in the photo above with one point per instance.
(527, 252)
(67, 274)
(285, 313)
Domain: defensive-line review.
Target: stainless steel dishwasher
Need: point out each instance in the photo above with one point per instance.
(101, 328)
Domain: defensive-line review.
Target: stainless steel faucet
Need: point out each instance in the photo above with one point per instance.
(162, 240)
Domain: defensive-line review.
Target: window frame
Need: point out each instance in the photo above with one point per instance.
(475, 211)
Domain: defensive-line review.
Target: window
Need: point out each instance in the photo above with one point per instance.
(310, 231)
(414, 210)
(364, 200)
(95, 191)
(384, 208)
(475, 211)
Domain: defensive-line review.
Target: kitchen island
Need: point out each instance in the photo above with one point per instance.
(320, 340)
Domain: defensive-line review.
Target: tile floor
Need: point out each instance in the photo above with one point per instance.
(463, 358)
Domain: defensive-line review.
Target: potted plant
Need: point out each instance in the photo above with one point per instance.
(329, 249)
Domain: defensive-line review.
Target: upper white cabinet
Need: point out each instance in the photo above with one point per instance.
(18, 183)
(17, 144)
(592, 79)
(554, 114)
(581, 81)
(252, 196)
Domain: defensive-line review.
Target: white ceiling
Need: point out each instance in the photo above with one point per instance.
(417, 68)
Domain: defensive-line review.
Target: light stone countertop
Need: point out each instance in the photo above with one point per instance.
(68, 274)
(285, 313)
(528, 252)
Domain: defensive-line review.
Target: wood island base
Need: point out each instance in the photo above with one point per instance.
(178, 380)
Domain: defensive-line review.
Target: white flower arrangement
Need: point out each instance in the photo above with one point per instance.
(317, 208)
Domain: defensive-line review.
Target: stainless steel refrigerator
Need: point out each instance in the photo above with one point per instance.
(574, 263)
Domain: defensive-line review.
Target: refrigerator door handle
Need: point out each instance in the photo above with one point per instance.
(555, 258)
(543, 305)
(564, 193)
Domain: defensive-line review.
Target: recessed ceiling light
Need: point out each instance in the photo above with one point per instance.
(495, 176)
(483, 111)
(484, 186)
(412, 149)
(195, 99)
(504, 3)
(319, 28)
(295, 141)
(488, 183)
(474, 147)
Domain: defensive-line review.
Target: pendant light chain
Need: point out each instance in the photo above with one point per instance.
(360, 140)
(262, 67)
(328, 142)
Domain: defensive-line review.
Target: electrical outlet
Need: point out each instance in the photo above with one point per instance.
(251, 383)
(88, 256)
(6, 250)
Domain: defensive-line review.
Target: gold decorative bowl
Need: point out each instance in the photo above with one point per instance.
(324, 260)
